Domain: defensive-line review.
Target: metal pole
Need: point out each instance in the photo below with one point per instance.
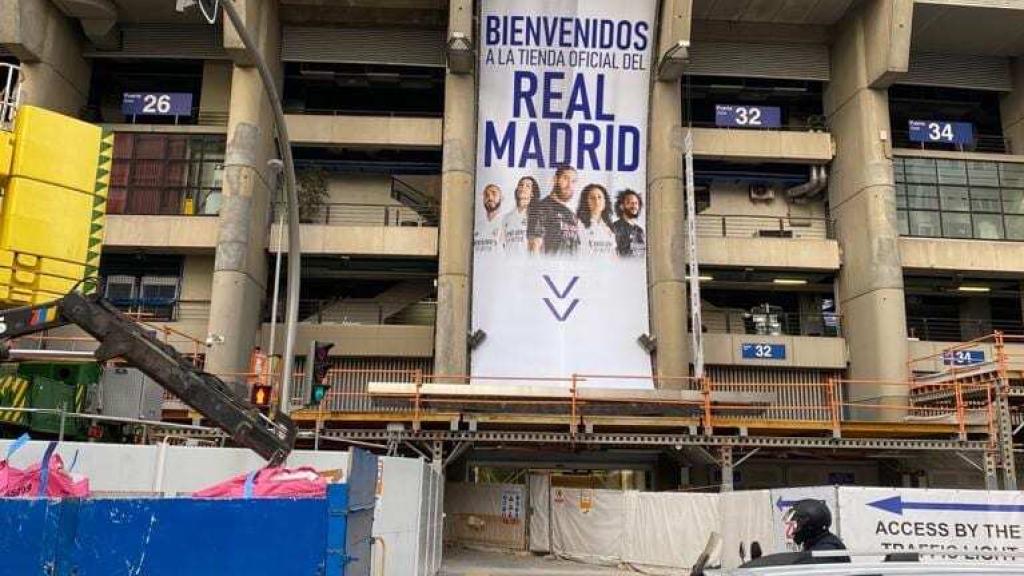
(277, 287)
(294, 248)
(60, 435)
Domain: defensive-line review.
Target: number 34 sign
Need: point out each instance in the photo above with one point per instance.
(156, 104)
(938, 131)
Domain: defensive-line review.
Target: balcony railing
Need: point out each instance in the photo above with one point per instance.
(994, 143)
(352, 214)
(790, 324)
(748, 226)
(960, 329)
(355, 312)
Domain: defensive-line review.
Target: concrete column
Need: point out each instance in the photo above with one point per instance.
(666, 233)
(872, 47)
(458, 168)
(215, 97)
(240, 265)
(1011, 108)
(54, 73)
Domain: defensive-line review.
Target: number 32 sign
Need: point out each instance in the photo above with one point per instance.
(156, 104)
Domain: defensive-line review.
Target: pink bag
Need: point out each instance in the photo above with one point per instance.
(302, 482)
(53, 481)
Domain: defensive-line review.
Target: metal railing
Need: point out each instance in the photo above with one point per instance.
(822, 406)
(352, 214)
(749, 226)
(959, 329)
(376, 312)
(10, 95)
(718, 321)
(302, 110)
(806, 126)
(994, 143)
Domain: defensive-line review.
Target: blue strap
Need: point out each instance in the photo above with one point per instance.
(17, 445)
(250, 481)
(44, 469)
(73, 462)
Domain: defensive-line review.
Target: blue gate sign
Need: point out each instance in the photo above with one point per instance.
(763, 351)
(939, 131)
(157, 104)
(740, 116)
(963, 357)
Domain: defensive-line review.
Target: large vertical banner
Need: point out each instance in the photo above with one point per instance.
(560, 240)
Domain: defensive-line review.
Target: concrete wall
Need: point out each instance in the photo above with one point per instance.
(361, 340)
(962, 255)
(769, 253)
(360, 189)
(762, 145)
(801, 351)
(369, 131)
(215, 97)
(168, 234)
(363, 240)
(727, 198)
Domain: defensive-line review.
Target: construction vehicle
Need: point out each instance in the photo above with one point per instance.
(55, 173)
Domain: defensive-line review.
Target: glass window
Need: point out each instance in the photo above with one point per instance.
(959, 199)
(897, 170)
(954, 199)
(901, 196)
(904, 222)
(988, 226)
(1011, 175)
(919, 196)
(920, 170)
(983, 174)
(924, 223)
(952, 172)
(1013, 201)
(956, 225)
(1014, 227)
(985, 200)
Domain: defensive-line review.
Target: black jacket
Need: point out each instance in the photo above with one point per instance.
(824, 541)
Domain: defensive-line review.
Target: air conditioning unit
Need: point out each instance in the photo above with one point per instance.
(761, 193)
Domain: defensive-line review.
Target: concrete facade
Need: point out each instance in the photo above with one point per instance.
(848, 234)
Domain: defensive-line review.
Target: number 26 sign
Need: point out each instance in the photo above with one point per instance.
(156, 104)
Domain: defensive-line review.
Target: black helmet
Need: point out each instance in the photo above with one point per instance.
(807, 519)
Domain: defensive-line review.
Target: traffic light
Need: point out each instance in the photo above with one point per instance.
(261, 395)
(316, 372)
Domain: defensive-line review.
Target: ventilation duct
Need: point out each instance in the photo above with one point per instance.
(811, 188)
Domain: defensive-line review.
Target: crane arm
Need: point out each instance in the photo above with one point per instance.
(121, 337)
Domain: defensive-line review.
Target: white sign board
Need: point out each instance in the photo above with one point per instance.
(560, 233)
(783, 499)
(970, 524)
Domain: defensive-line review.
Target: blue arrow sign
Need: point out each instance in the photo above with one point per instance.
(896, 505)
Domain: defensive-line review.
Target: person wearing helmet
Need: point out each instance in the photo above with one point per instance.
(807, 524)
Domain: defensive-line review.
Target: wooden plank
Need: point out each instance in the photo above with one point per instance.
(311, 416)
(558, 392)
(642, 421)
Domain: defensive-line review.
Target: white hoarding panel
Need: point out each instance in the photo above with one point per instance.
(559, 269)
(969, 524)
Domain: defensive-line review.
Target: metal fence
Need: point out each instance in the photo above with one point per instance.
(959, 329)
(790, 323)
(748, 226)
(355, 214)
